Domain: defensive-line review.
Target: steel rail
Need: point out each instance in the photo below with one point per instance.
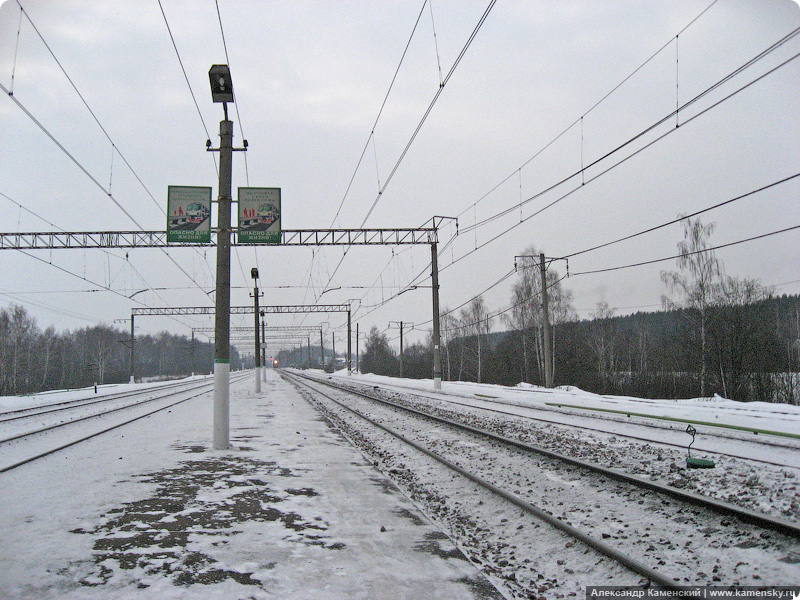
(18, 436)
(719, 506)
(97, 433)
(601, 547)
(412, 391)
(33, 411)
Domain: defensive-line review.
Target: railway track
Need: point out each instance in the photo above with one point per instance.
(666, 536)
(18, 414)
(27, 445)
(744, 477)
(32, 423)
(606, 423)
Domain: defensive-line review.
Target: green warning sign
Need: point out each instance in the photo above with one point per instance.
(259, 216)
(188, 214)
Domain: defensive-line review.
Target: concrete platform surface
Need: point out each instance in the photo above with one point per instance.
(292, 511)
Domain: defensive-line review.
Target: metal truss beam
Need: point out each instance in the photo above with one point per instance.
(243, 310)
(290, 328)
(57, 240)
(250, 340)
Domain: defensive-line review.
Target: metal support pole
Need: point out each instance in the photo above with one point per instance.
(401, 349)
(437, 357)
(358, 367)
(308, 341)
(333, 345)
(321, 351)
(191, 356)
(349, 347)
(548, 359)
(222, 317)
(133, 355)
(258, 339)
(264, 347)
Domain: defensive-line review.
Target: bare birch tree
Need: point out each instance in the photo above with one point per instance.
(695, 283)
(481, 326)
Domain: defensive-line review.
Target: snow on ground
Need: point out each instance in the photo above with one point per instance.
(697, 547)
(47, 398)
(756, 471)
(292, 511)
(783, 418)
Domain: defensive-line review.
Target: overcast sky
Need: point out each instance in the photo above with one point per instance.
(520, 113)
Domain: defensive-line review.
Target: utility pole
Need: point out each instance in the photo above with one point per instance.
(349, 347)
(548, 359)
(321, 351)
(333, 345)
(358, 367)
(222, 356)
(548, 352)
(437, 356)
(124, 342)
(133, 355)
(401, 325)
(264, 345)
(222, 91)
(254, 275)
(401, 349)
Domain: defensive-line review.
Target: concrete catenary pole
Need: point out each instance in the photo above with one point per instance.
(349, 346)
(133, 354)
(401, 350)
(437, 356)
(254, 273)
(222, 356)
(264, 346)
(548, 359)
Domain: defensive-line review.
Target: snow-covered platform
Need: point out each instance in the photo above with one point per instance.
(292, 511)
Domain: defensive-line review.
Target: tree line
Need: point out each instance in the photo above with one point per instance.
(32, 360)
(716, 334)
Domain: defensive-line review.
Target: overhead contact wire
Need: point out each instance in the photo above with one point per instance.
(422, 121)
(621, 161)
(595, 105)
(91, 112)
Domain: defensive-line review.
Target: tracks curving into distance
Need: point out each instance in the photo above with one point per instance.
(137, 398)
(592, 494)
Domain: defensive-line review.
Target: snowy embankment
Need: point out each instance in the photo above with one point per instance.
(50, 397)
(715, 411)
